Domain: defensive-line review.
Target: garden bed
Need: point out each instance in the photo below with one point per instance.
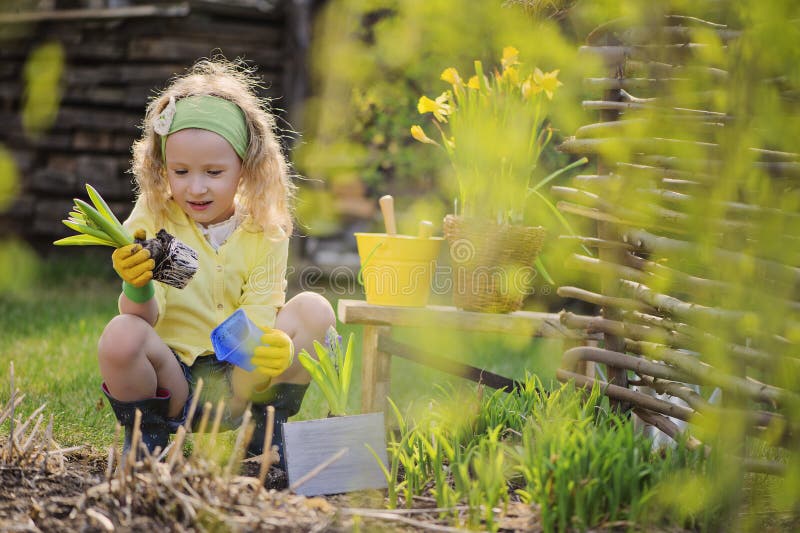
(532, 460)
(34, 500)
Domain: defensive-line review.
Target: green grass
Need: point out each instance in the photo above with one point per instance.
(567, 452)
(50, 330)
(50, 327)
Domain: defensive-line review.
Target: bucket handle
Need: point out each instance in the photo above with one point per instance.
(366, 262)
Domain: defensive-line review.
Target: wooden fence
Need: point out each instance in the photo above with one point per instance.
(114, 59)
(677, 259)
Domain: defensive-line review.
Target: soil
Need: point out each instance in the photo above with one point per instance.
(33, 500)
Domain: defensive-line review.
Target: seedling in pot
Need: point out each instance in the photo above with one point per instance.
(332, 370)
(332, 455)
(175, 262)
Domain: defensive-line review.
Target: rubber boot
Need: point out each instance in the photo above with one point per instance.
(286, 398)
(154, 426)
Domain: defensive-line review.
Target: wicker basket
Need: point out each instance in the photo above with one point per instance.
(492, 264)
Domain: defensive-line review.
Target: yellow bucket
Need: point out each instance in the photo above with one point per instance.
(397, 269)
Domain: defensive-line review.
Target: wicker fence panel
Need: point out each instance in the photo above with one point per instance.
(699, 282)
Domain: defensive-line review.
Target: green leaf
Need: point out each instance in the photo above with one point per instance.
(328, 375)
(313, 368)
(401, 423)
(540, 267)
(561, 219)
(557, 173)
(327, 365)
(308, 362)
(105, 211)
(115, 231)
(338, 353)
(86, 230)
(322, 379)
(385, 470)
(83, 240)
(347, 369)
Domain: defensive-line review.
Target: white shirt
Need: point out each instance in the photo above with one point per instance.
(218, 233)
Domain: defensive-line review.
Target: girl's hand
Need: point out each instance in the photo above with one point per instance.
(276, 353)
(133, 263)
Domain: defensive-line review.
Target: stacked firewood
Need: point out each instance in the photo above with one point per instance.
(694, 266)
(113, 61)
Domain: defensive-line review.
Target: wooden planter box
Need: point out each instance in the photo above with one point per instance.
(310, 443)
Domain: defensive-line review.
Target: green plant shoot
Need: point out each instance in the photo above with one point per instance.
(332, 370)
(94, 225)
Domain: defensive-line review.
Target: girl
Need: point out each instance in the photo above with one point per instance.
(210, 171)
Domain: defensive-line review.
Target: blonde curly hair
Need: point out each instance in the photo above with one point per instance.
(266, 191)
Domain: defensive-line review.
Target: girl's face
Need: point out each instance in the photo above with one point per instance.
(203, 171)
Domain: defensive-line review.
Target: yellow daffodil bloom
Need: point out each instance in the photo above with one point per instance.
(510, 57)
(439, 107)
(512, 75)
(450, 75)
(493, 124)
(419, 134)
(530, 88)
(547, 81)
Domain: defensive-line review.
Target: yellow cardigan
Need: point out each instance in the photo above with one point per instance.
(248, 271)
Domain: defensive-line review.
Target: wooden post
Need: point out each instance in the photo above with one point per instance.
(375, 371)
(610, 232)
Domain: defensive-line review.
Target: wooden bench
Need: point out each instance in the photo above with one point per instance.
(379, 346)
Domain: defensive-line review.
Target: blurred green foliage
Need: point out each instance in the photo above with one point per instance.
(723, 229)
(42, 94)
(42, 79)
(371, 61)
(9, 178)
(729, 216)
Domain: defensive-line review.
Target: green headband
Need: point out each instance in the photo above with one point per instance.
(205, 112)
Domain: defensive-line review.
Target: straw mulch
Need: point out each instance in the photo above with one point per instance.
(44, 487)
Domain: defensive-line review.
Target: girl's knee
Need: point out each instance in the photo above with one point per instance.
(316, 313)
(122, 339)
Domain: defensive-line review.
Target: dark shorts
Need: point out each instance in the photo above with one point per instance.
(217, 385)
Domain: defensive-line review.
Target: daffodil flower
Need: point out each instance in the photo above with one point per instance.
(530, 88)
(511, 74)
(547, 81)
(491, 132)
(450, 75)
(439, 107)
(510, 57)
(419, 134)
